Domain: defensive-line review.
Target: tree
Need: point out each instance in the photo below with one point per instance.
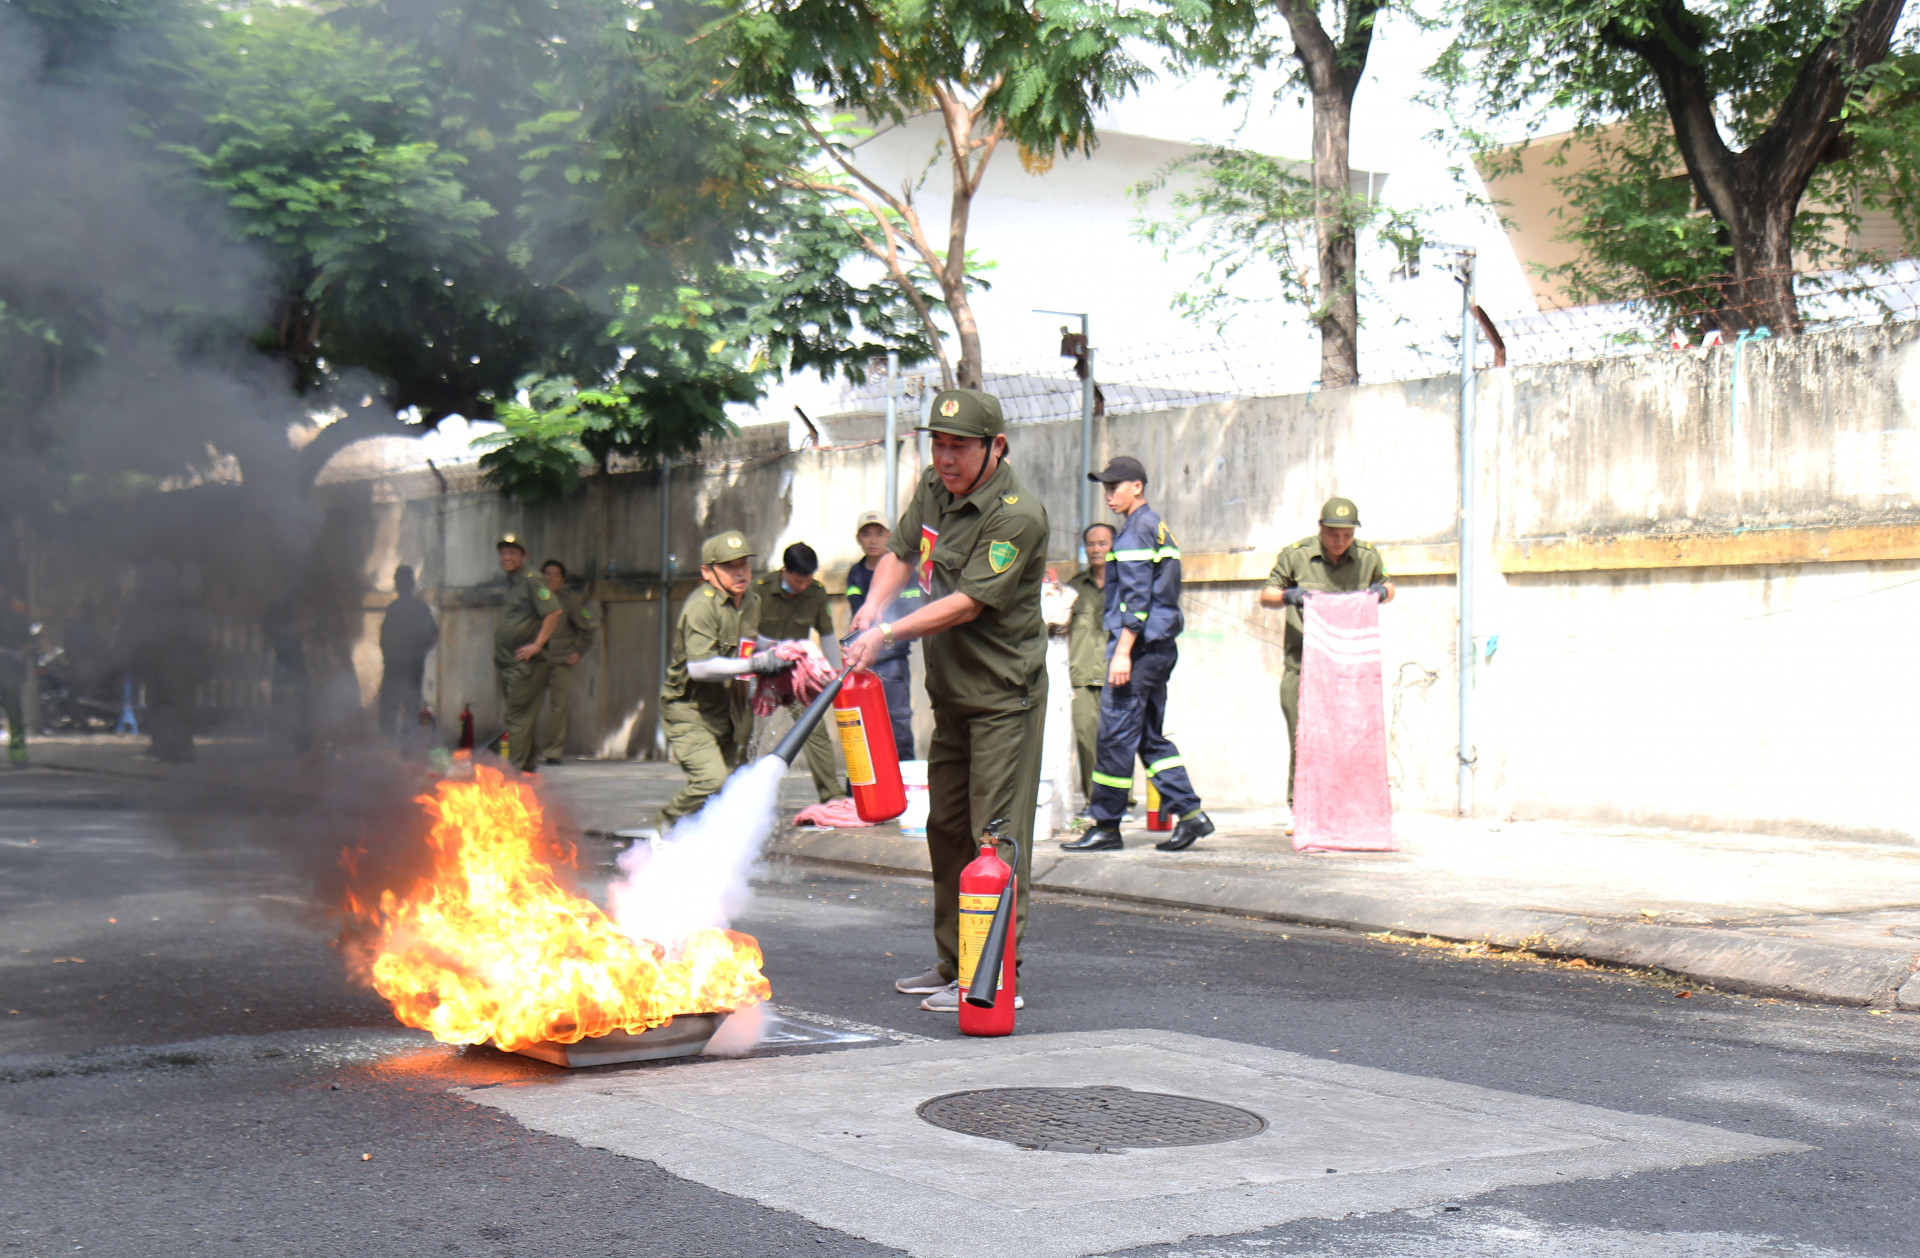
(1235, 35)
(1758, 101)
(993, 72)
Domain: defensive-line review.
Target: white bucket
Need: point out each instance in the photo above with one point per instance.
(913, 775)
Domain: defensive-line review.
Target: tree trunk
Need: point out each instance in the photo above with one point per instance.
(1759, 293)
(1333, 74)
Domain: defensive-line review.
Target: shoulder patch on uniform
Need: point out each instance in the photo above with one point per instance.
(1000, 555)
(1166, 534)
(543, 594)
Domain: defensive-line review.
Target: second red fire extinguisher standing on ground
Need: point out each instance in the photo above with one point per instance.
(866, 736)
(989, 961)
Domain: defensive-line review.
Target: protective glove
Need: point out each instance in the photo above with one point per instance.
(1378, 589)
(1293, 596)
(769, 664)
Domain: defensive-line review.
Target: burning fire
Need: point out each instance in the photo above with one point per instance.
(490, 946)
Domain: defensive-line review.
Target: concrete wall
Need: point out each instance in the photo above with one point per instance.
(1692, 613)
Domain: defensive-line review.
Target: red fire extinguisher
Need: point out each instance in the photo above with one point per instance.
(466, 728)
(866, 736)
(989, 970)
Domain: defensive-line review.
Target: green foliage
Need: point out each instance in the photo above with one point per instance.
(1646, 226)
(1248, 212)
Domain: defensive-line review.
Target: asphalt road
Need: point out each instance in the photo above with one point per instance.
(185, 1069)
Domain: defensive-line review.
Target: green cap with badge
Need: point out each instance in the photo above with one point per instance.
(725, 548)
(1340, 513)
(966, 413)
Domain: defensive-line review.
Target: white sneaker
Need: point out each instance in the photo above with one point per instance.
(921, 984)
(947, 1000)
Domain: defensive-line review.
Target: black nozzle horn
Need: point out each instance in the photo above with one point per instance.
(797, 736)
(993, 952)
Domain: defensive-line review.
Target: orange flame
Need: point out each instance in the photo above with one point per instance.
(490, 946)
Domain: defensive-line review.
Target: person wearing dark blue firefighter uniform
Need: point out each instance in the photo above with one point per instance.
(1143, 622)
(894, 668)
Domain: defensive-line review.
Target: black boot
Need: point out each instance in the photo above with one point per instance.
(1101, 836)
(1190, 828)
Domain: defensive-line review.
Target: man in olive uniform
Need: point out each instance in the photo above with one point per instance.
(1332, 561)
(703, 705)
(894, 668)
(16, 651)
(570, 641)
(974, 539)
(528, 616)
(792, 605)
(1087, 654)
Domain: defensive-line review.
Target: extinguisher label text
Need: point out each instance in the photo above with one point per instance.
(976, 918)
(853, 741)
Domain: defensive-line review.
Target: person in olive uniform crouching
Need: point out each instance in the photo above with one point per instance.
(1143, 623)
(703, 705)
(794, 604)
(572, 639)
(894, 668)
(1087, 654)
(528, 616)
(1331, 561)
(974, 539)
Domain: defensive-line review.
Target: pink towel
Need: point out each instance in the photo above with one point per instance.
(1340, 801)
(835, 814)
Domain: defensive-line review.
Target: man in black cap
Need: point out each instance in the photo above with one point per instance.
(1142, 620)
(1331, 561)
(975, 541)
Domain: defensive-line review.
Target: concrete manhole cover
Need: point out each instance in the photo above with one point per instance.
(1090, 1120)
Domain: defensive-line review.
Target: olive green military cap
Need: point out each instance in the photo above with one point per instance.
(725, 548)
(966, 413)
(509, 539)
(1340, 513)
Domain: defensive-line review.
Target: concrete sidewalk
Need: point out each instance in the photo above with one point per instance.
(1806, 918)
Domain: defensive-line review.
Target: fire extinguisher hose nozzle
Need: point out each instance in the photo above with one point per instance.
(796, 738)
(984, 992)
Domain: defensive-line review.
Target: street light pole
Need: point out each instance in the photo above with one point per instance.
(893, 438)
(1469, 331)
(1086, 430)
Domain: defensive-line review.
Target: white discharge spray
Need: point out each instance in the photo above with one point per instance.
(697, 874)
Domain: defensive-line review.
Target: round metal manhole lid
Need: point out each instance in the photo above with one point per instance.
(1090, 1120)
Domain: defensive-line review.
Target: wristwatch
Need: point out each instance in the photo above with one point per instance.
(886, 636)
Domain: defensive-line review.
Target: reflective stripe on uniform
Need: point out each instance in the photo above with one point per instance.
(1107, 779)
(1166, 552)
(1134, 556)
(1161, 766)
(854, 589)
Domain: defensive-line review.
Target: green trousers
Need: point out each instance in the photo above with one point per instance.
(708, 750)
(982, 767)
(1290, 708)
(15, 708)
(559, 696)
(1086, 736)
(522, 684)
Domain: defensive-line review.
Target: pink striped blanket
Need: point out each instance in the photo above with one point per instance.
(1340, 801)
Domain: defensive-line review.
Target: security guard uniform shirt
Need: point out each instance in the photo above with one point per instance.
(1087, 631)
(528, 602)
(574, 634)
(710, 628)
(909, 600)
(990, 545)
(1143, 579)
(1305, 564)
(785, 616)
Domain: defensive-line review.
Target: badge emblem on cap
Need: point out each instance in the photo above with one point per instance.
(950, 407)
(1342, 511)
(734, 541)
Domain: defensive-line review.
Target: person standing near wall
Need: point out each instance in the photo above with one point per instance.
(571, 640)
(703, 706)
(1331, 561)
(894, 667)
(1087, 655)
(794, 605)
(407, 633)
(528, 617)
(16, 657)
(1143, 621)
(974, 538)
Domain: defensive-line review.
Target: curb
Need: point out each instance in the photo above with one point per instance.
(1731, 960)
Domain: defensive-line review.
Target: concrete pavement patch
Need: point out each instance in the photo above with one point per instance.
(836, 1139)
